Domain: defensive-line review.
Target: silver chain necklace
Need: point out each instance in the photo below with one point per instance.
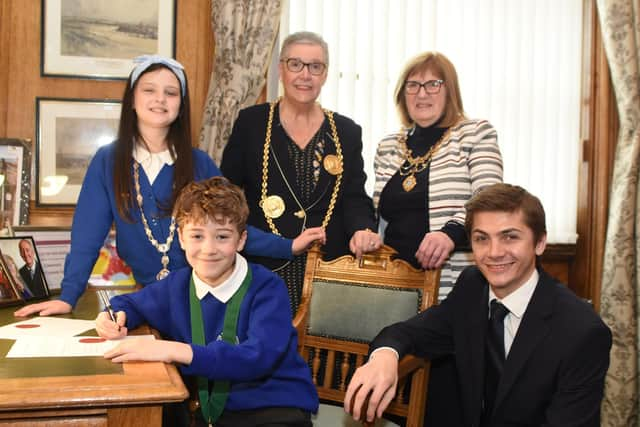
(163, 248)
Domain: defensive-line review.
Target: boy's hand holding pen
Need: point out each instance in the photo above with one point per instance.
(109, 324)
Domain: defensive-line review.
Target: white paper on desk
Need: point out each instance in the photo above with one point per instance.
(65, 346)
(44, 326)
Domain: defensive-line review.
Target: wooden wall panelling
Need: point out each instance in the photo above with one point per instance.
(194, 47)
(558, 260)
(600, 124)
(5, 52)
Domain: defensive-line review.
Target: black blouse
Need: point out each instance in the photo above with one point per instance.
(407, 212)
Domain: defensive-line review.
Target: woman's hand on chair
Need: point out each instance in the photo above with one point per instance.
(364, 241)
(434, 249)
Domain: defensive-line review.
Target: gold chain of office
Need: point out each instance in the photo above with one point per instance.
(265, 166)
(414, 165)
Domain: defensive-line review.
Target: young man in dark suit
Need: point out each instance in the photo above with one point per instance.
(528, 351)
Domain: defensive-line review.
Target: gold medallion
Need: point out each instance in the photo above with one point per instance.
(332, 164)
(408, 183)
(272, 206)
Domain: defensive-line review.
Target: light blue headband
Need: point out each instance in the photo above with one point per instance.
(145, 61)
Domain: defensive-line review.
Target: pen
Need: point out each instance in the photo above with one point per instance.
(107, 304)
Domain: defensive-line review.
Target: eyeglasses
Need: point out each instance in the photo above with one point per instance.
(430, 86)
(295, 65)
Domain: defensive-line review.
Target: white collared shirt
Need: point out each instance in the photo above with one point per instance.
(32, 269)
(225, 290)
(517, 303)
(152, 163)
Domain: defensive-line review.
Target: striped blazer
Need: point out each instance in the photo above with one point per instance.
(466, 162)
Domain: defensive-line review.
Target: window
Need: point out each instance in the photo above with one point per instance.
(519, 65)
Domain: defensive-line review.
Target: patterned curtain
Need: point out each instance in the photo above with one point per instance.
(244, 33)
(620, 21)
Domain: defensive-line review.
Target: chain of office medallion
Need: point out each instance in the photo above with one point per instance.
(265, 166)
(163, 248)
(418, 164)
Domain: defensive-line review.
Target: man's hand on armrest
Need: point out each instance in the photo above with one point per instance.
(378, 377)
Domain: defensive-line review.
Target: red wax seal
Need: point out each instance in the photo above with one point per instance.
(27, 326)
(91, 340)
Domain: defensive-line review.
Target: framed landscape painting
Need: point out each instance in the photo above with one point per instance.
(68, 134)
(99, 38)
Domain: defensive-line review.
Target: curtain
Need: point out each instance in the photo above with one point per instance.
(620, 21)
(244, 33)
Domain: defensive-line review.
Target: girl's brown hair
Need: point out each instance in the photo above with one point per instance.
(178, 141)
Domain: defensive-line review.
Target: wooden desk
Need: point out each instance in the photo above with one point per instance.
(83, 391)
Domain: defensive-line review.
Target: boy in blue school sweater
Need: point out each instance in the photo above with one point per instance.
(227, 322)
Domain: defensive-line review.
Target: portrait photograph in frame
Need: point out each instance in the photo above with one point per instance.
(68, 134)
(22, 264)
(15, 181)
(53, 244)
(9, 294)
(98, 39)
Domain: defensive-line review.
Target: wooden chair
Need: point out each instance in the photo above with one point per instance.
(345, 303)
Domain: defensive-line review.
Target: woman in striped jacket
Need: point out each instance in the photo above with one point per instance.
(428, 170)
(424, 175)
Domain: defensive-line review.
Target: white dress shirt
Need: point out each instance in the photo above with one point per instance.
(225, 290)
(32, 269)
(516, 302)
(152, 163)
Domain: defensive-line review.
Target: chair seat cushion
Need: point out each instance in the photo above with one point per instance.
(334, 416)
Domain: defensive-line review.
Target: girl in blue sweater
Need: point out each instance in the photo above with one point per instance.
(133, 182)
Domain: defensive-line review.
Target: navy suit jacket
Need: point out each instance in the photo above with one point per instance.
(554, 372)
(37, 284)
(242, 165)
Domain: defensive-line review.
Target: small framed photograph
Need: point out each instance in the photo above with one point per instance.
(68, 134)
(15, 181)
(9, 294)
(52, 245)
(21, 261)
(99, 38)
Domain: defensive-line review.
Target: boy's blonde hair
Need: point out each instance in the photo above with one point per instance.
(214, 199)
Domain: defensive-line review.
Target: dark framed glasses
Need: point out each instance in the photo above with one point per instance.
(295, 65)
(432, 87)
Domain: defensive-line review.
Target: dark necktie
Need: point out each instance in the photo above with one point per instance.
(494, 356)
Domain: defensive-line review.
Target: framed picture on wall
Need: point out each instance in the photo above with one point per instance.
(99, 38)
(15, 181)
(68, 134)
